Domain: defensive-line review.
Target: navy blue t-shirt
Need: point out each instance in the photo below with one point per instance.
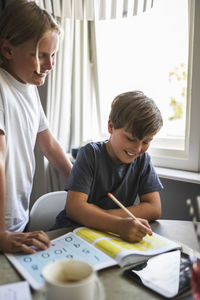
(95, 174)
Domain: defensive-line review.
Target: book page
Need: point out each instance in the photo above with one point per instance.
(15, 291)
(68, 246)
(124, 252)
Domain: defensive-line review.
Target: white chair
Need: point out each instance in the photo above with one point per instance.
(45, 209)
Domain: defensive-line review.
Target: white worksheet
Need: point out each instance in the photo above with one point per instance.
(68, 246)
(15, 291)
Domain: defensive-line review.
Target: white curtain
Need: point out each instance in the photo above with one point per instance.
(72, 103)
(95, 9)
(69, 98)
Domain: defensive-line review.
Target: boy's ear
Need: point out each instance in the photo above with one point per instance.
(6, 49)
(110, 126)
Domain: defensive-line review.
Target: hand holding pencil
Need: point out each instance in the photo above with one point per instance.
(139, 227)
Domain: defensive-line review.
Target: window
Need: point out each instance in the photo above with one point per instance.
(157, 52)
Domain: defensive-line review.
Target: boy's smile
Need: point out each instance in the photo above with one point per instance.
(123, 148)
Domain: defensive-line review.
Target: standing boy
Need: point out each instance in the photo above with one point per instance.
(120, 166)
(29, 41)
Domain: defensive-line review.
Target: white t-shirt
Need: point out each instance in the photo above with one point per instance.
(21, 118)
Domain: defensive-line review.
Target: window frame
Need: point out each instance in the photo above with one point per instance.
(189, 159)
(184, 154)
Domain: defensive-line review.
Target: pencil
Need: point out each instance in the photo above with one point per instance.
(124, 208)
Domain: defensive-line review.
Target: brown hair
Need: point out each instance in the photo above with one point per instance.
(136, 113)
(23, 20)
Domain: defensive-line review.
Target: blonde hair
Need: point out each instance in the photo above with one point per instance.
(136, 113)
(23, 20)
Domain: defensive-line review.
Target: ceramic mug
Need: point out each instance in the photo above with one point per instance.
(72, 280)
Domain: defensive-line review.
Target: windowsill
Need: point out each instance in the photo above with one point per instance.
(180, 175)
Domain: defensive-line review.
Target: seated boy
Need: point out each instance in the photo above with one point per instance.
(121, 166)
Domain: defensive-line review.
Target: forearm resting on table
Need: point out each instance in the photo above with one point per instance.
(149, 210)
(92, 216)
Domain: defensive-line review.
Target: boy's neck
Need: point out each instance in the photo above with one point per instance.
(110, 153)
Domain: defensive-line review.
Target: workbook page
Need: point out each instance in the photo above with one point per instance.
(124, 252)
(68, 246)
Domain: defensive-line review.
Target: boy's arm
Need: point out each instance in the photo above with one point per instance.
(54, 152)
(15, 241)
(93, 216)
(149, 207)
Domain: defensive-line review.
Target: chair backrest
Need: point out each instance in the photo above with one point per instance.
(45, 209)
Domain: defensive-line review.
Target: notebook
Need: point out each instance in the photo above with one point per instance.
(100, 249)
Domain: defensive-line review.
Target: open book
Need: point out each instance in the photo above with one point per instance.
(125, 253)
(100, 249)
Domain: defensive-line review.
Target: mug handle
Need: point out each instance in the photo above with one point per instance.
(99, 290)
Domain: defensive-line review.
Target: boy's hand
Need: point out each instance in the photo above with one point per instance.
(133, 231)
(13, 242)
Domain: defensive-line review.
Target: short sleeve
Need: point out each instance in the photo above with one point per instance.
(43, 123)
(81, 176)
(149, 181)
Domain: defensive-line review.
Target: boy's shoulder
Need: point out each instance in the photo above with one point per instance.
(5, 75)
(2, 74)
(94, 146)
(92, 150)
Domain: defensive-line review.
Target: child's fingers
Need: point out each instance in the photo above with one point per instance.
(145, 227)
(37, 238)
(20, 241)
